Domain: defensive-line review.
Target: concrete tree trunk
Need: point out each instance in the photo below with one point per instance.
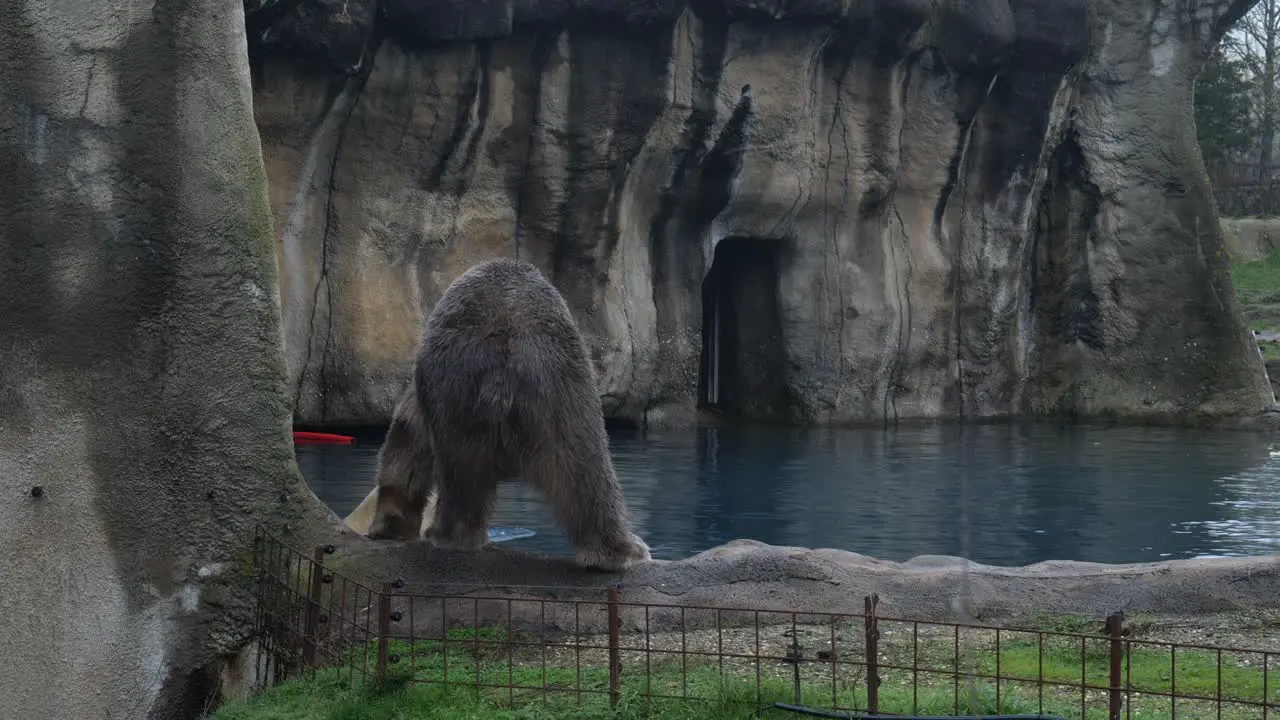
(144, 425)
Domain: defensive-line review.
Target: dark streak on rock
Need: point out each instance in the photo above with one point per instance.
(697, 127)
(900, 357)
(837, 115)
(610, 114)
(544, 45)
(471, 88)
(356, 86)
(1062, 294)
(957, 180)
(477, 95)
(323, 279)
(564, 251)
(672, 262)
(721, 165)
(483, 101)
(147, 284)
(613, 232)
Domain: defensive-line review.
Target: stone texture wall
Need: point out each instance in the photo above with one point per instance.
(945, 209)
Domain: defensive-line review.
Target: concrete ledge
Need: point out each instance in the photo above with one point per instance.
(1249, 239)
(751, 575)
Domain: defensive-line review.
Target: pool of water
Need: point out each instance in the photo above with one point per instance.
(999, 494)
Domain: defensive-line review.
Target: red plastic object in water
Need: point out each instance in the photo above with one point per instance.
(301, 437)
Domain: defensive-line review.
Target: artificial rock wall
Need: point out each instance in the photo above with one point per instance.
(905, 208)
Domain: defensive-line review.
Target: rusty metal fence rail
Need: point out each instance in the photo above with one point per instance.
(577, 647)
(307, 617)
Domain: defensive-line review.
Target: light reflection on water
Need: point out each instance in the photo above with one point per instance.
(1250, 510)
(999, 494)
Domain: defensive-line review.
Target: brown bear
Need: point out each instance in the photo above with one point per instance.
(406, 513)
(502, 386)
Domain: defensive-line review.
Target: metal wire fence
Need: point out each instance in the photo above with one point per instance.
(572, 647)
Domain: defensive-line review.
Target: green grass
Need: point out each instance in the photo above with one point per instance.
(1258, 282)
(1257, 286)
(1149, 669)
(415, 687)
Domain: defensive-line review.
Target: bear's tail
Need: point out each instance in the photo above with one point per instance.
(497, 396)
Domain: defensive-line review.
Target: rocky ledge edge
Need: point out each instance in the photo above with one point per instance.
(745, 574)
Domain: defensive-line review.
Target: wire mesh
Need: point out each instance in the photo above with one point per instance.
(574, 647)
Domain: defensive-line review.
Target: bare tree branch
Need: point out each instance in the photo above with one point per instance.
(1255, 41)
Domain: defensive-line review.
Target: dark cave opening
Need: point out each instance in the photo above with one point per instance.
(742, 371)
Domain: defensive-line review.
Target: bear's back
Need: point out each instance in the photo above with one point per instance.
(502, 297)
(502, 341)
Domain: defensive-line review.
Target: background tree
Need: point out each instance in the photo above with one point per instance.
(1224, 109)
(1255, 43)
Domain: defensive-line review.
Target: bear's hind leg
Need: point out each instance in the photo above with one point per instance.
(406, 474)
(468, 483)
(580, 484)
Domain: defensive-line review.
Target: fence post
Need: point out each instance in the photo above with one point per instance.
(311, 620)
(615, 656)
(1115, 629)
(384, 631)
(873, 652)
(263, 615)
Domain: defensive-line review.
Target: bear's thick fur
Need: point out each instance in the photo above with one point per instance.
(402, 501)
(502, 387)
